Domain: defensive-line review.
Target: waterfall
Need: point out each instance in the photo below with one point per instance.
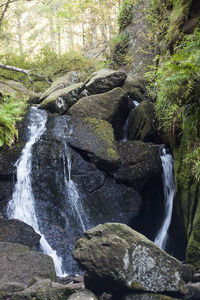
(71, 191)
(169, 190)
(22, 204)
(125, 128)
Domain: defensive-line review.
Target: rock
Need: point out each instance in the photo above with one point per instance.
(139, 163)
(45, 289)
(61, 83)
(111, 106)
(117, 258)
(143, 296)
(61, 100)
(142, 123)
(193, 291)
(136, 88)
(19, 266)
(103, 81)
(94, 139)
(16, 231)
(83, 295)
(13, 87)
(112, 203)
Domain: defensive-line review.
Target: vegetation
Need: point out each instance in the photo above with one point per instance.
(11, 109)
(178, 103)
(126, 13)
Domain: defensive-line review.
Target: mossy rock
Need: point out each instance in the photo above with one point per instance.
(94, 139)
(111, 106)
(142, 123)
(117, 258)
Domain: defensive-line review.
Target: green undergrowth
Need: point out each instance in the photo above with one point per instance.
(11, 111)
(126, 13)
(50, 64)
(178, 99)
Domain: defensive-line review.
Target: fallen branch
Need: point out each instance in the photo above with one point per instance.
(28, 73)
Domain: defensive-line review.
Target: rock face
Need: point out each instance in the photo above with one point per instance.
(103, 81)
(99, 198)
(118, 258)
(142, 123)
(19, 266)
(15, 231)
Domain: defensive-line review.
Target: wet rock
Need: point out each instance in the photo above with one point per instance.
(83, 295)
(112, 202)
(139, 162)
(103, 81)
(142, 123)
(94, 139)
(111, 106)
(61, 100)
(61, 83)
(118, 258)
(19, 265)
(16, 231)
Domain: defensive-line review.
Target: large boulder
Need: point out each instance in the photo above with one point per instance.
(142, 123)
(111, 106)
(136, 88)
(117, 258)
(94, 139)
(61, 83)
(16, 231)
(59, 101)
(19, 266)
(103, 81)
(139, 162)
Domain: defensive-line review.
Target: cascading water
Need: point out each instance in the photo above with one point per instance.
(22, 204)
(125, 128)
(169, 190)
(71, 190)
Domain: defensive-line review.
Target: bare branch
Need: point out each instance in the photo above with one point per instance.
(3, 12)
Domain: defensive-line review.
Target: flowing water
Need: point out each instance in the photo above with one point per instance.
(71, 191)
(125, 128)
(22, 204)
(169, 190)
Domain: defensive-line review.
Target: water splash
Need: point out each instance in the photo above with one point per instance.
(22, 204)
(169, 190)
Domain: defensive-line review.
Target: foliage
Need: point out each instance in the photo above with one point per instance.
(11, 110)
(50, 64)
(125, 13)
(120, 50)
(178, 103)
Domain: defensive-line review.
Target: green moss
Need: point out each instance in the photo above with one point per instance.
(104, 131)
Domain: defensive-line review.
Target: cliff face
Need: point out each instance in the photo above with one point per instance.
(169, 32)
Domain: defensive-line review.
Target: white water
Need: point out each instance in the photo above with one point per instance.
(71, 190)
(22, 204)
(125, 128)
(169, 189)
